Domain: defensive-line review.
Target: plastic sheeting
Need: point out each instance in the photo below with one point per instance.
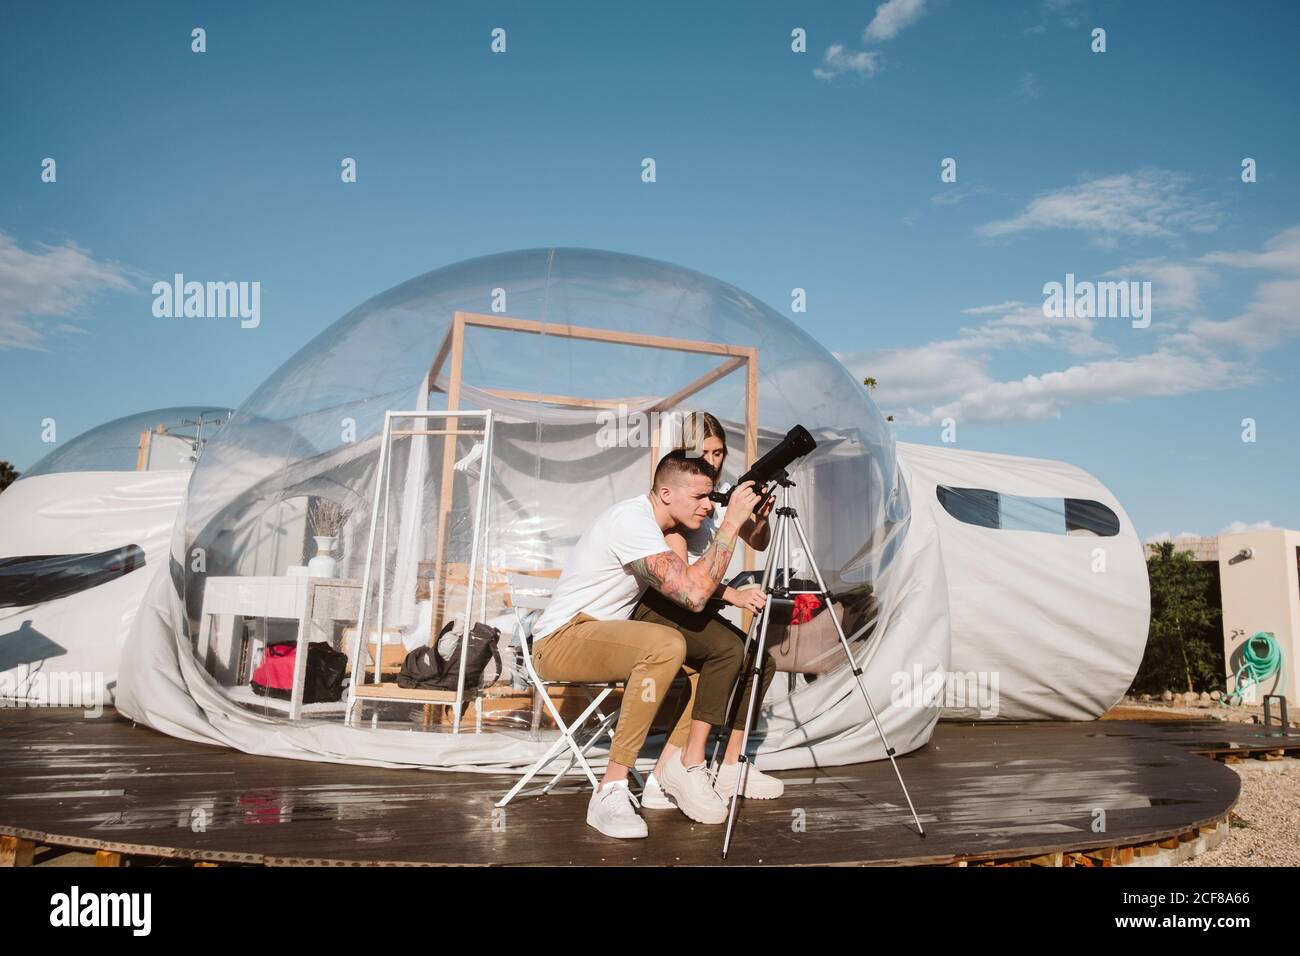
(177, 433)
(65, 650)
(826, 724)
(1040, 602)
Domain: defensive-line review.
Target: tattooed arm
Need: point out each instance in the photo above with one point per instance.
(677, 541)
(690, 585)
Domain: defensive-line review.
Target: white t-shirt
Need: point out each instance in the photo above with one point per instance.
(596, 578)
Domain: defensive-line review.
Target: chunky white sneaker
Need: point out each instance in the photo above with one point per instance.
(653, 796)
(693, 791)
(612, 811)
(758, 785)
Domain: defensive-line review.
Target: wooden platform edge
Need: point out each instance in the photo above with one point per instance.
(18, 846)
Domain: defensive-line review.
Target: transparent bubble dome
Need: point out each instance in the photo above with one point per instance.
(572, 350)
(115, 445)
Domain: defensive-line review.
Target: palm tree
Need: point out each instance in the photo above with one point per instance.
(870, 382)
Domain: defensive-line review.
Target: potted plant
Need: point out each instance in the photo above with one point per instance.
(327, 519)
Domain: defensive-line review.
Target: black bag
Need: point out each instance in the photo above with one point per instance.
(322, 679)
(424, 668)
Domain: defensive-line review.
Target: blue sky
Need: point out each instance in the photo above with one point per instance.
(775, 170)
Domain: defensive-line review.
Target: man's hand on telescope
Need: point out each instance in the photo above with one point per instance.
(741, 506)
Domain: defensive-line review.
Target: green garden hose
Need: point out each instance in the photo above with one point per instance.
(1259, 667)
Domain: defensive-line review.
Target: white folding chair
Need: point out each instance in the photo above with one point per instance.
(531, 594)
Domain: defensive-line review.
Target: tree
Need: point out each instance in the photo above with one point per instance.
(7, 475)
(1184, 646)
(871, 383)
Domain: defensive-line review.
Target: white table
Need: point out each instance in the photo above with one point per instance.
(306, 600)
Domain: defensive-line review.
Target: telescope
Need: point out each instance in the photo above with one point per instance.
(796, 443)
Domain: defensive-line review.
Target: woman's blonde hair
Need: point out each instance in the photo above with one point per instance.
(698, 426)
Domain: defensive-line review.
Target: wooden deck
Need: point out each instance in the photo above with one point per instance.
(991, 791)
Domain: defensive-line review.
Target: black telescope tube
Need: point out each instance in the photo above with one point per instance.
(796, 443)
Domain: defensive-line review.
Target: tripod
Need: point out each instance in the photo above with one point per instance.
(787, 518)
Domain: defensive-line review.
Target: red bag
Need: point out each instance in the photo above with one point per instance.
(806, 607)
(274, 675)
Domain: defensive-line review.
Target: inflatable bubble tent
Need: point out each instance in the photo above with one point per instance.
(172, 439)
(586, 361)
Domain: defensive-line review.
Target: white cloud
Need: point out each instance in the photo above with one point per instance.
(922, 385)
(1000, 308)
(955, 370)
(1237, 527)
(1281, 253)
(892, 17)
(1146, 204)
(1271, 318)
(952, 194)
(1024, 325)
(1029, 86)
(927, 373)
(1166, 536)
(1175, 286)
(1035, 397)
(53, 281)
(838, 61)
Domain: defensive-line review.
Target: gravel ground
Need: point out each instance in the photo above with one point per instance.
(1133, 708)
(1265, 822)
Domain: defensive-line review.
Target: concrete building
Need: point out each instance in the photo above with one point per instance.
(1260, 586)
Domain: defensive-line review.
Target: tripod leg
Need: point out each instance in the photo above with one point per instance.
(857, 671)
(768, 570)
(743, 775)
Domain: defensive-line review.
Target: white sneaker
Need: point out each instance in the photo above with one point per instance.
(653, 796)
(758, 785)
(612, 811)
(693, 791)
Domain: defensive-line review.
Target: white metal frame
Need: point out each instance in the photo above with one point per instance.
(524, 595)
(382, 487)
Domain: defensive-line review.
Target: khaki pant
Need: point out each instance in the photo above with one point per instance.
(647, 653)
(713, 650)
(646, 656)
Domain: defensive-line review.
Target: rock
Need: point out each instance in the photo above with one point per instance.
(1146, 698)
(1167, 696)
(1216, 695)
(1206, 699)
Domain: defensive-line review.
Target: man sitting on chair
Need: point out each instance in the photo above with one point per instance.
(585, 633)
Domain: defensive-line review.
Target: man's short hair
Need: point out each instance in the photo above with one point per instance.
(678, 463)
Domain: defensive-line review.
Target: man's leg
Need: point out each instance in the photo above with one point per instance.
(645, 655)
(714, 647)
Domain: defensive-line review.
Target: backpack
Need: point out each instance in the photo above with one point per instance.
(424, 668)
